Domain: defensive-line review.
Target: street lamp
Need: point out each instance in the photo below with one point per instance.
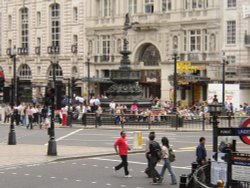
(224, 63)
(52, 151)
(88, 63)
(215, 109)
(175, 57)
(12, 135)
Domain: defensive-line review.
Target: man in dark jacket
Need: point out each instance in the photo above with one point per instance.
(152, 154)
(201, 152)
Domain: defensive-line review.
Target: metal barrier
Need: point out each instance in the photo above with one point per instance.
(199, 177)
(172, 121)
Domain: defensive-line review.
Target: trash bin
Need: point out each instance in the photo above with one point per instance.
(177, 121)
(69, 119)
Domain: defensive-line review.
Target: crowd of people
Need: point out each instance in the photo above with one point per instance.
(38, 114)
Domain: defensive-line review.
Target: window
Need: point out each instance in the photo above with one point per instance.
(231, 59)
(58, 69)
(185, 41)
(25, 72)
(150, 55)
(166, 5)
(107, 8)
(55, 25)
(75, 14)
(195, 40)
(24, 28)
(105, 45)
(149, 6)
(38, 18)
(198, 4)
(231, 32)
(205, 40)
(9, 21)
(132, 6)
(231, 3)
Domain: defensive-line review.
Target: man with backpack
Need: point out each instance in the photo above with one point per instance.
(155, 156)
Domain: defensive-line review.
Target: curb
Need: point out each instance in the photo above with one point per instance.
(94, 155)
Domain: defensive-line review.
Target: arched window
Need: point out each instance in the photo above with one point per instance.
(59, 72)
(25, 72)
(212, 42)
(55, 25)
(175, 42)
(24, 27)
(74, 72)
(150, 55)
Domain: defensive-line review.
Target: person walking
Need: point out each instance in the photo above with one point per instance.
(154, 155)
(30, 112)
(121, 148)
(98, 116)
(201, 152)
(147, 170)
(167, 164)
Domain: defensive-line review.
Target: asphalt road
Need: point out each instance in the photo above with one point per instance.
(96, 172)
(87, 173)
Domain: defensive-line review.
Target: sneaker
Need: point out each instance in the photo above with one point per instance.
(160, 180)
(154, 183)
(174, 183)
(128, 176)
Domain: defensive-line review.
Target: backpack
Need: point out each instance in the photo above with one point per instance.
(157, 152)
(171, 156)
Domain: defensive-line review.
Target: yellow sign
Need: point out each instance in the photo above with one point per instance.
(186, 67)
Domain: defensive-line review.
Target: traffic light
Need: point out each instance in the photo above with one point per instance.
(73, 84)
(1, 84)
(20, 90)
(49, 96)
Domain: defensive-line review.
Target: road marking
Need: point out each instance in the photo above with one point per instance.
(13, 173)
(78, 180)
(123, 185)
(93, 182)
(67, 135)
(26, 174)
(53, 177)
(66, 179)
(83, 164)
(135, 162)
(106, 167)
(39, 176)
(108, 184)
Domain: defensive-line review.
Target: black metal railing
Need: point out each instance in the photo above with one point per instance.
(157, 120)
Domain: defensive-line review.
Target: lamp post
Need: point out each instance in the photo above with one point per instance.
(12, 134)
(52, 150)
(224, 63)
(215, 109)
(175, 56)
(88, 63)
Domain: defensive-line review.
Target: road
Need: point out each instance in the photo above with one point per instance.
(96, 171)
(87, 173)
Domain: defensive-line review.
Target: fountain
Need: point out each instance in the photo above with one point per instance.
(126, 89)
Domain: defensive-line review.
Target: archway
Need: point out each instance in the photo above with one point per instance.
(149, 55)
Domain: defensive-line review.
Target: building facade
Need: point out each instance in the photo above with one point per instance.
(43, 32)
(202, 32)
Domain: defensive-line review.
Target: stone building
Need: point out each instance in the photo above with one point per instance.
(203, 32)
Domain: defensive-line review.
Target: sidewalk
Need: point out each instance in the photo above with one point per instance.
(20, 154)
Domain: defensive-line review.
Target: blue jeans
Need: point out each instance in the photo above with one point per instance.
(24, 120)
(165, 166)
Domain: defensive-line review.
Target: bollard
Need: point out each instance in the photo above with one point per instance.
(183, 181)
(194, 166)
(137, 140)
(220, 184)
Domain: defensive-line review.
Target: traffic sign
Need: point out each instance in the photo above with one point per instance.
(233, 131)
(244, 138)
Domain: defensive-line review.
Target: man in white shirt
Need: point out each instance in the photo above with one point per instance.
(112, 106)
